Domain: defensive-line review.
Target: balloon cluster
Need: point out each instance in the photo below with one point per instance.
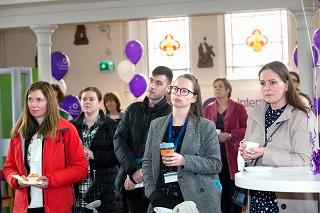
(126, 68)
(59, 67)
(315, 49)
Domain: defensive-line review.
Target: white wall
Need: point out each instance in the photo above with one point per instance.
(19, 46)
(84, 59)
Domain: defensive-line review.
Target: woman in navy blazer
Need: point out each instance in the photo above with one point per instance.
(196, 159)
(230, 118)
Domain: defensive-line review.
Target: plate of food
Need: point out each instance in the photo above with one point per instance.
(32, 179)
(258, 169)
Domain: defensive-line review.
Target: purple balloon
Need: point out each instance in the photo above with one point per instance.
(138, 85)
(315, 56)
(316, 38)
(316, 104)
(71, 104)
(59, 65)
(134, 50)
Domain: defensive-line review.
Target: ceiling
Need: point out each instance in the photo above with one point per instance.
(21, 13)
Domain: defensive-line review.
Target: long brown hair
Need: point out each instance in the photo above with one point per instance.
(292, 97)
(27, 123)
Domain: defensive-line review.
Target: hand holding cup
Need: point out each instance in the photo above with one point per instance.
(169, 156)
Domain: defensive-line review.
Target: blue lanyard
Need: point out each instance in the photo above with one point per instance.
(178, 139)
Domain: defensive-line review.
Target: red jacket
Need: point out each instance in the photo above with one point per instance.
(235, 122)
(62, 167)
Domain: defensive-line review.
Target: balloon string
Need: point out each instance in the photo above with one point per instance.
(315, 75)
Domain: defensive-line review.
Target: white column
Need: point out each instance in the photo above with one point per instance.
(43, 33)
(305, 63)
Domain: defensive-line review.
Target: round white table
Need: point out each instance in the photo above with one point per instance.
(280, 179)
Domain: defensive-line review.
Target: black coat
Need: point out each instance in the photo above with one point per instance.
(131, 135)
(105, 162)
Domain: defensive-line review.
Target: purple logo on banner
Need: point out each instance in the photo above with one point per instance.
(71, 104)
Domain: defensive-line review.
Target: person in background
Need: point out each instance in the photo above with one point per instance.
(281, 125)
(59, 94)
(131, 135)
(195, 163)
(96, 132)
(231, 122)
(168, 98)
(296, 84)
(48, 147)
(295, 80)
(112, 106)
(306, 100)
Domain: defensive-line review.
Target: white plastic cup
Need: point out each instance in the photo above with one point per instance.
(218, 131)
(251, 145)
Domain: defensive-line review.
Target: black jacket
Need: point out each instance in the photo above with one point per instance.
(131, 135)
(105, 162)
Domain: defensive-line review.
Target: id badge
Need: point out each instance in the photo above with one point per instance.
(170, 177)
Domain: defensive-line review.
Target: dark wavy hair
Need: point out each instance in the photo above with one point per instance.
(111, 96)
(292, 96)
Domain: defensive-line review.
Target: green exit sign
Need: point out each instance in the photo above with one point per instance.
(106, 66)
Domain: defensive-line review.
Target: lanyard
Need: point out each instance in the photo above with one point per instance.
(178, 139)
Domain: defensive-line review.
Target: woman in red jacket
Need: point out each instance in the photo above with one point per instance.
(47, 148)
(230, 119)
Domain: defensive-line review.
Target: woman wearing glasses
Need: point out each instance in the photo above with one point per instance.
(230, 119)
(191, 171)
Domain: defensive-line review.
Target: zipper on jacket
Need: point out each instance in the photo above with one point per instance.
(42, 169)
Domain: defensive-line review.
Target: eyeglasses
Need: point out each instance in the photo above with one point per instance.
(183, 91)
(295, 80)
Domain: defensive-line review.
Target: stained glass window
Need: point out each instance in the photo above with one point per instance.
(178, 59)
(242, 62)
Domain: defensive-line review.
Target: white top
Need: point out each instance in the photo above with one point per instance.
(35, 162)
(280, 179)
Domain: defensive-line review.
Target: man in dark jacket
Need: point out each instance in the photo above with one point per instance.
(131, 135)
(96, 132)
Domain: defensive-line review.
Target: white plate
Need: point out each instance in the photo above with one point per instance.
(162, 210)
(258, 169)
(30, 183)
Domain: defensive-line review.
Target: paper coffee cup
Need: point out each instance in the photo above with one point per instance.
(251, 145)
(218, 131)
(166, 148)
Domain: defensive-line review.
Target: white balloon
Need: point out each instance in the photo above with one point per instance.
(62, 84)
(126, 70)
